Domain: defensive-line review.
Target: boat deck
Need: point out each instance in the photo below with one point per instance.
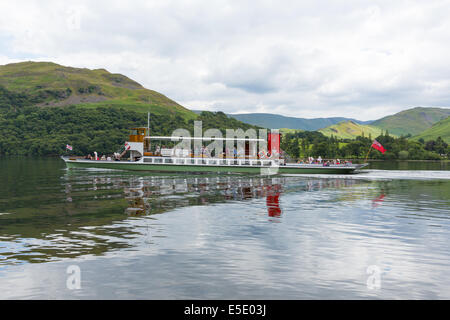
(167, 164)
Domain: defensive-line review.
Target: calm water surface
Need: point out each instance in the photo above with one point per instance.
(378, 234)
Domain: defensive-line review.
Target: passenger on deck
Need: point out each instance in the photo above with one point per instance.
(202, 151)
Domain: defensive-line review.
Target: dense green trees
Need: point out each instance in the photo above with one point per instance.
(47, 130)
(305, 144)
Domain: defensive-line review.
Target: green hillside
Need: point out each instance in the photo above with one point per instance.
(439, 129)
(350, 130)
(287, 130)
(49, 84)
(44, 106)
(412, 121)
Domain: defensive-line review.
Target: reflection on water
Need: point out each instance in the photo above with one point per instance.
(222, 236)
(378, 201)
(155, 195)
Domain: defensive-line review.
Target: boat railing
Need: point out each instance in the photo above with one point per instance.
(169, 153)
(210, 161)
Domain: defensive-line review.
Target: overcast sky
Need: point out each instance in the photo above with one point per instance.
(360, 59)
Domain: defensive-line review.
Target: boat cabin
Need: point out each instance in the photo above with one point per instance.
(141, 144)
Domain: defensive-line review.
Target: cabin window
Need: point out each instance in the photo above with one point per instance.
(148, 160)
(157, 160)
(180, 161)
(191, 161)
(267, 163)
(223, 162)
(212, 161)
(256, 163)
(168, 160)
(246, 163)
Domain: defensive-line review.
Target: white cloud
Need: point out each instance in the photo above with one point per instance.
(360, 59)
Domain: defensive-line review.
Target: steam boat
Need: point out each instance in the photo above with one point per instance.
(145, 154)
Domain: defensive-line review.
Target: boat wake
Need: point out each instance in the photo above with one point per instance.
(385, 175)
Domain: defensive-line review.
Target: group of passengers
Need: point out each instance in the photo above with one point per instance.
(104, 157)
(319, 160)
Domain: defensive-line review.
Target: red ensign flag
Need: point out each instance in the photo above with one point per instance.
(378, 146)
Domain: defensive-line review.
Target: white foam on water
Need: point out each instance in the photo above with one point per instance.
(385, 175)
(406, 174)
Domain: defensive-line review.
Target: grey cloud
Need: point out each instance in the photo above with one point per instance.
(299, 58)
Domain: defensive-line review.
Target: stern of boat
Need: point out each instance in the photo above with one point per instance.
(360, 166)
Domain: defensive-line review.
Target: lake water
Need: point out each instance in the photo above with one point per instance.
(380, 234)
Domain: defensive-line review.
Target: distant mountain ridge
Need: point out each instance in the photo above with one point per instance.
(274, 121)
(410, 122)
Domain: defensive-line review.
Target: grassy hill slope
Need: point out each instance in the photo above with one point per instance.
(412, 121)
(350, 130)
(50, 84)
(439, 129)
